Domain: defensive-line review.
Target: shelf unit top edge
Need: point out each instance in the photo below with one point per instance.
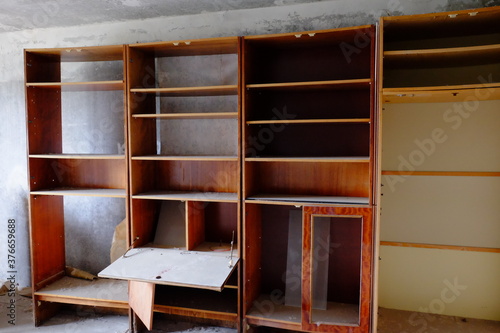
(323, 31)
(444, 15)
(83, 54)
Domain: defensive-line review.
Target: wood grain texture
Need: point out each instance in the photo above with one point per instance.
(144, 215)
(141, 300)
(252, 253)
(47, 238)
(195, 224)
(322, 179)
(85, 173)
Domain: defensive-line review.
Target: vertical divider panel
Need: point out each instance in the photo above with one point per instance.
(195, 224)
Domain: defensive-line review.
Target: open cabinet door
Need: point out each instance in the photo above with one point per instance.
(141, 299)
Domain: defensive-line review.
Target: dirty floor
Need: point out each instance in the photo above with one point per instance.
(390, 321)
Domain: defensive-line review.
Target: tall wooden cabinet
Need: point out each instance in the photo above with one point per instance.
(68, 159)
(185, 162)
(308, 179)
(439, 104)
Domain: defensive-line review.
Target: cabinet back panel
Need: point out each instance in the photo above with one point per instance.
(328, 179)
(42, 68)
(316, 63)
(142, 139)
(220, 221)
(295, 140)
(54, 173)
(320, 104)
(44, 121)
(208, 176)
(442, 76)
(145, 215)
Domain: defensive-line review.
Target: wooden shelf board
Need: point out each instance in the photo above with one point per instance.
(441, 247)
(79, 86)
(309, 199)
(442, 173)
(207, 46)
(197, 115)
(191, 196)
(337, 314)
(190, 91)
(349, 159)
(90, 192)
(309, 121)
(77, 290)
(465, 51)
(185, 158)
(311, 85)
(79, 156)
(437, 94)
(82, 54)
(193, 312)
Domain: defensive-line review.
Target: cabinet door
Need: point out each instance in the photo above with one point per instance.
(337, 265)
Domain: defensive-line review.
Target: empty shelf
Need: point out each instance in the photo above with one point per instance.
(186, 195)
(91, 192)
(309, 198)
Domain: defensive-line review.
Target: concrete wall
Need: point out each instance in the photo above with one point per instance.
(13, 180)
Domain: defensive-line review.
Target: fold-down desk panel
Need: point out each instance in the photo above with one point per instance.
(174, 267)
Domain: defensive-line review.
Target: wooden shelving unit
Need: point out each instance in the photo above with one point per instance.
(309, 158)
(184, 120)
(58, 169)
(440, 87)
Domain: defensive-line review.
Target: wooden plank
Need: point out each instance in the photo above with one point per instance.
(333, 84)
(80, 86)
(190, 91)
(308, 121)
(441, 173)
(172, 267)
(310, 199)
(441, 247)
(141, 300)
(441, 94)
(185, 158)
(46, 238)
(93, 192)
(348, 159)
(465, 51)
(188, 195)
(193, 115)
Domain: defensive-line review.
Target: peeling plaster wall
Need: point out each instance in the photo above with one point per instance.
(13, 180)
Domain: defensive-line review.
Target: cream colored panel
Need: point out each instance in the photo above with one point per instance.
(441, 210)
(442, 136)
(456, 283)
